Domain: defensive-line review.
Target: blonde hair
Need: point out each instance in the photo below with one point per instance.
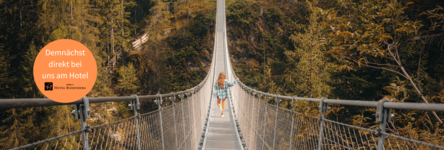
(220, 80)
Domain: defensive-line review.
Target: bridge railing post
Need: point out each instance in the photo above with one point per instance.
(192, 112)
(249, 117)
(82, 113)
(181, 96)
(323, 110)
(159, 104)
(382, 116)
(135, 105)
(259, 95)
(265, 118)
(292, 122)
(277, 99)
(173, 100)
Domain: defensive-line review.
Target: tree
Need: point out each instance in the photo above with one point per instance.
(13, 130)
(5, 81)
(128, 80)
(373, 38)
(312, 68)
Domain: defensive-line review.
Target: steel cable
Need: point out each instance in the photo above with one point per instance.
(257, 122)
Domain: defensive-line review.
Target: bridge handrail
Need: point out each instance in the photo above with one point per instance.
(317, 126)
(35, 102)
(363, 103)
(193, 105)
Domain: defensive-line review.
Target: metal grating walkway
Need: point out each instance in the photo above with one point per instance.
(221, 132)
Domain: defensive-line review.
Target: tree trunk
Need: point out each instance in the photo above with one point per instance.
(20, 17)
(157, 68)
(406, 75)
(81, 15)
(310, 85)
(122, 9)
(135, 22)
(123, 18)
(189, 14)
(261, 12)
(419, 92)
(112, 38)
(70, 9)
(112, 31)
(419, 66)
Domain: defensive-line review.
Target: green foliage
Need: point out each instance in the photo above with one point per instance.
(4, 80)
(395, 91)
(280, 51)
(369, 34)
(13, 135)
(379, 36)
(312, 70)
(346, 50)
(26, 27)
(307, 48)
(176, 56)
(127, 80)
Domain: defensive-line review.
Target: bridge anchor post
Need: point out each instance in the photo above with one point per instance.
(135, 105)
(83, 113)
(382, 116)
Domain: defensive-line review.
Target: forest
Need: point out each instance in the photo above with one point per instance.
(345, 49)
(175, 57)
(342, 49)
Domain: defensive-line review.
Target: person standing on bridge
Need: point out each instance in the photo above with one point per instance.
(221, 86)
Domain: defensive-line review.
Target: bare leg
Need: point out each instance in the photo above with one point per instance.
(223, 104)
(222, 108)
(218, 103)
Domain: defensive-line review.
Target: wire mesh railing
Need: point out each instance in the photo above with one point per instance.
(265, 125)
(176, 125)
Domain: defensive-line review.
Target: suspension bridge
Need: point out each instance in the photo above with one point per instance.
(191, 119)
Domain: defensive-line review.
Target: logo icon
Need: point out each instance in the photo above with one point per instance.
(48, 86)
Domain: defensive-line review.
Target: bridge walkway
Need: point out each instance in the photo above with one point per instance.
(221, 131)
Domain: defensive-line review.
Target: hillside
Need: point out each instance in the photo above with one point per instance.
(175, 57)
(349, 49)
